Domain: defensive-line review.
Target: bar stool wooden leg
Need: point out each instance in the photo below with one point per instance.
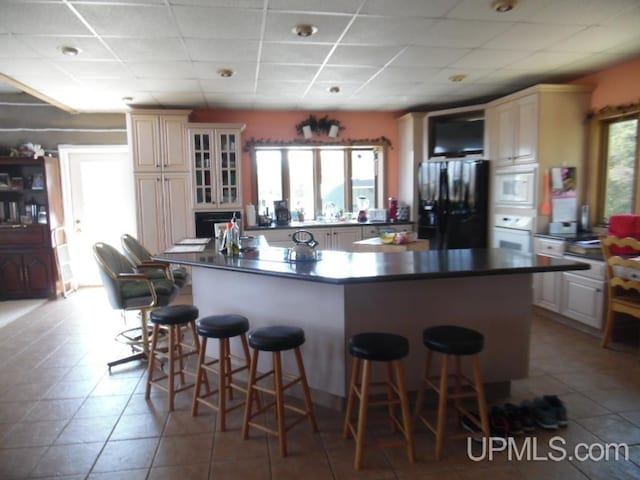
(305, 389)
(223, 382)
(442, 406)
(482, 399)
(362, 414)
(391, 406)
(200, 374)
(353, 383)
(406, 412)
(172, 359)
(421, 389)
(251, 392)
(152, 358)
(282, 433)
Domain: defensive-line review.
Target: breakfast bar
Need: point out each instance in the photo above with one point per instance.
(341, 294)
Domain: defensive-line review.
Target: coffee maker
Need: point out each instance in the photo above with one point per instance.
(281, 212)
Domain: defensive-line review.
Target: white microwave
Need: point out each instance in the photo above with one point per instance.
(515, 188)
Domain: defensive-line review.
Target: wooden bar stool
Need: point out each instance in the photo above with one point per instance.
(222, 327)
(453, 341)
(378, 347)
(172, 319)
(276, 339)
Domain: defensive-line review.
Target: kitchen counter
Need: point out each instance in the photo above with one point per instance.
(377, 245)
(346, 293)
(316, 224)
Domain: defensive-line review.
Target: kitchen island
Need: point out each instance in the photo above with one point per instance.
(343, 293)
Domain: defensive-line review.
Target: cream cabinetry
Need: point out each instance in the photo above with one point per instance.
(516, 131)
(584, 293)
(162, 176)
(340, 238)
(164, 209)
(158, 140)
(372, 231)
(547, 292)
(215, 158)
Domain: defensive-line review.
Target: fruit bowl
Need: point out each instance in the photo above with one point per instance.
(387, 238)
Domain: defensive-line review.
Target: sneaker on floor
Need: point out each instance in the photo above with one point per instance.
(499, 423)
(543, 414)
(514, 417)
(558, 408)
(470, 426)
(526, 415)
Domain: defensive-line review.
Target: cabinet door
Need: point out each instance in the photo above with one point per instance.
(583, 299)
(150, 211)
(526, 129)
(547, 290)
(174, 156)
(12, 281)
(281, 237)
(145, 143)
(201, 152)
(504, 134)
(228, 168)
(179, 221)
(343, 238)
(38, 273)
(324, 237)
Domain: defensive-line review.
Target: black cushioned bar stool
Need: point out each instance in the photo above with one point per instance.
(173, 319)
(457, 342)
(277, 339)
(222, 327)
(389, 348)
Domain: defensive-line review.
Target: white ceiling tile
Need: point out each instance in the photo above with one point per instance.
(95, 69)
(581, 12)
(312, 54)
(272, 88)
(91, 48)
(241, 71)
(227, 85)
(334, 6)
(381, 88)
(530, 36)
(338, 74)
(219, 3)
(47, 18)
(129, 20)
(481, 10)
(281, 73)
(416, 56)
(545, 60)
(200, 22)
(322, 90)
(222, 50)
(409, 8)
(386, 30)
(148, 49)
(362, 55)
(162, 69)
(23, 66)
(176, 99)
(594, 39)
(460, 33)
(14, 47)
(169, 84)
(391, 75)
(279, 26)
(489, 58)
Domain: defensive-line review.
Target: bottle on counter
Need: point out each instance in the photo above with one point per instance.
(232, 238)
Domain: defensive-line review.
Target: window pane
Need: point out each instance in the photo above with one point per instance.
(363, 177)
(269, 175)
(332, 186)
(621, 167)
(301, 183)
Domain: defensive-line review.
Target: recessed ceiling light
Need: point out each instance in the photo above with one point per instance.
(502, 6)
(69, 51)
(127, 99)
(457, 78)
(305, 30)
(226, 72)
(334, 89)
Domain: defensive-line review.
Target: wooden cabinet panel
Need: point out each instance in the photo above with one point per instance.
(26, 274)
(12, 283)
(583, 299)
(38, 272)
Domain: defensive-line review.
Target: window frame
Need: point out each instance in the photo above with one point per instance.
(380, 159)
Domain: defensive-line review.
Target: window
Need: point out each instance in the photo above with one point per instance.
(620, 167)
(329, 182)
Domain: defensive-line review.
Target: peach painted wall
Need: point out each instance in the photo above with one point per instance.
(617, 85)
(280, 126)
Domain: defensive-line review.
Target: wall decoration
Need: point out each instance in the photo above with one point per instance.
(268, 142)
(319, 126)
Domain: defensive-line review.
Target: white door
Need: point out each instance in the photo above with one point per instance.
(99, 202)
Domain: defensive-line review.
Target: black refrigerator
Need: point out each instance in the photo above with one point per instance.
(453, 203)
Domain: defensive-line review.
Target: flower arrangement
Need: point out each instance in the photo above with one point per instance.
(319, 126)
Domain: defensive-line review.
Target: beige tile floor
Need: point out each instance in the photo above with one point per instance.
(63, 416)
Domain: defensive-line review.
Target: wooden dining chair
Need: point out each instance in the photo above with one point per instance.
(622, 257)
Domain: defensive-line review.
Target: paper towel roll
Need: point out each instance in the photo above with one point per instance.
(251, 215)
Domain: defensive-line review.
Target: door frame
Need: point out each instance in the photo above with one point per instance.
(64, 151)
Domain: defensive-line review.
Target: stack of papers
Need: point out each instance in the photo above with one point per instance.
(194, 241)
(185, 249)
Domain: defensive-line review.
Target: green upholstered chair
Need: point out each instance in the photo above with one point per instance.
(129, 288)
(140, 256)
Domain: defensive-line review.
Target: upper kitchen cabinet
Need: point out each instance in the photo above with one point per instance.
(215, 156)
(158, 140)
(544, 124)
(515, 130)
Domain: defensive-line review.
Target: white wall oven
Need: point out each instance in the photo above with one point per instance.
(515, 187)
(513, 231)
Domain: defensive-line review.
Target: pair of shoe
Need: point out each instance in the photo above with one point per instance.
(549, 412)
(498, 424)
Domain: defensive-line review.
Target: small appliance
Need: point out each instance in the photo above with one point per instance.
(393, 209)
(363, 205)
(377, 214)
(281, 210)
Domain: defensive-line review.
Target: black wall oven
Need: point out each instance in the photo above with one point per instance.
(206, 222)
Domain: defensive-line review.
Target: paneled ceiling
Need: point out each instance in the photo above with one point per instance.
(380, 54)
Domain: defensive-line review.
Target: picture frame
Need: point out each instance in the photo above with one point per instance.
(17, 183)
(5, 180)
(38, 182)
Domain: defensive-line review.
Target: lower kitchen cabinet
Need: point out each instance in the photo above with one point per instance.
(583, 299)
(341, 238)
(27, 274)
(547, 287)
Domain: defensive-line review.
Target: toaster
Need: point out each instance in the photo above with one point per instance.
(377, 214)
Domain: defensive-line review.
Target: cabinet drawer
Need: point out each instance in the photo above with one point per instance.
(17, 236)
(546, 246)
(597, 270)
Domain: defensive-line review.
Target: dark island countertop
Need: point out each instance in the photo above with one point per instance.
(344, 267)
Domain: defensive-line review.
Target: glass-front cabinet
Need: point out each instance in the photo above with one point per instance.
(216, 160)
